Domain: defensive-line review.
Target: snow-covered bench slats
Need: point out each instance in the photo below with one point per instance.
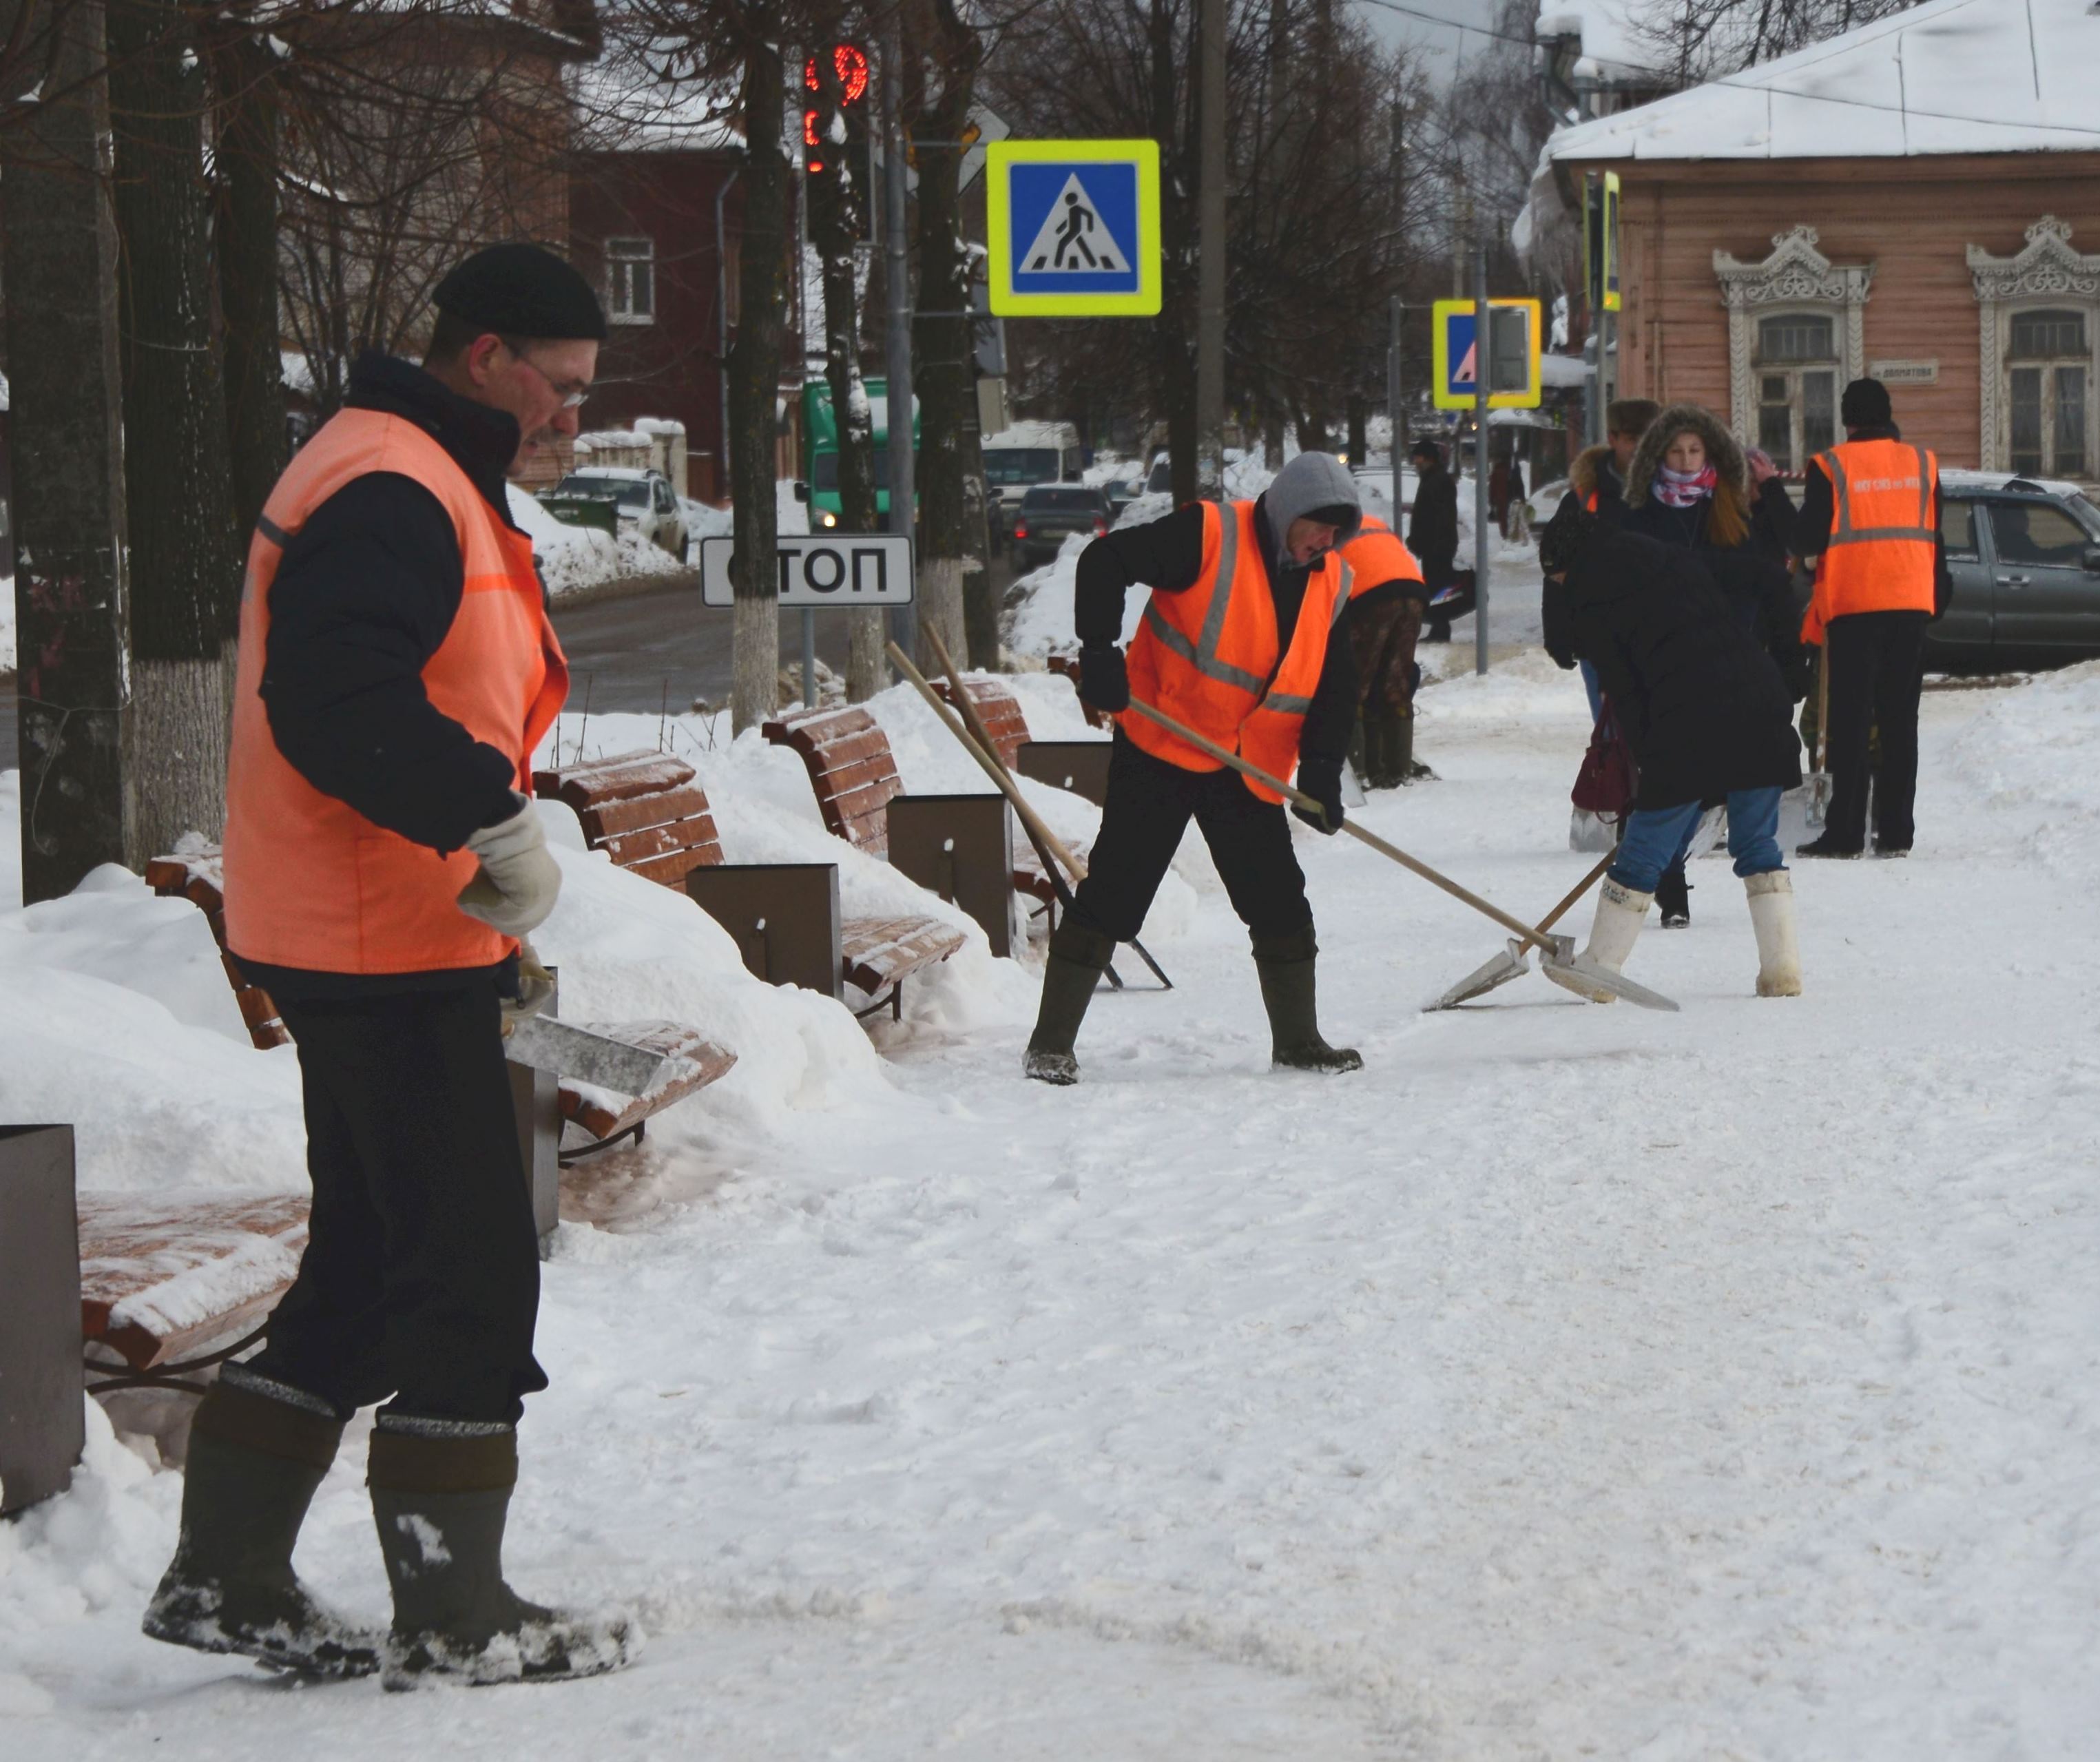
(193, 873)
(164, 1275)
(647, 812)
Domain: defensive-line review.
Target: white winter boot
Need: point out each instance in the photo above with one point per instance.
(1620, 911)
(1771, 917)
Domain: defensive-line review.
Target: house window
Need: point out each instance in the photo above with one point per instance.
(1797, 375)
(2049, 392)
(630, 269)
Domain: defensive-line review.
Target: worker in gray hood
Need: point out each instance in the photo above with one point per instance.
(1244, 641)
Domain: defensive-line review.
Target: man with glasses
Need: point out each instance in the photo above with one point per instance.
(382, 859)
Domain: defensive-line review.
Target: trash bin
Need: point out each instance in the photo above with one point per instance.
(42, 1415)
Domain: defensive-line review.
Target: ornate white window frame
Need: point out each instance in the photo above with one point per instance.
(1796, 277)
(2045, 273)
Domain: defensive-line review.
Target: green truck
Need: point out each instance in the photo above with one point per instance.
(819, 484)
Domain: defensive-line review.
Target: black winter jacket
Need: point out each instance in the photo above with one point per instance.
(1701, 701)
(1751, 576)
(364, 595)
(1166, 555)
(1433, 528)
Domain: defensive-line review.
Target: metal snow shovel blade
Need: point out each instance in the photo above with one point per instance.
(1512, 965)
(1602, 978)
(567, 1051)
(1578, 971)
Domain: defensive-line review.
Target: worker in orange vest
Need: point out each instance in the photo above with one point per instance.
(1387, 600)
(1243, 640)
(382, 860)
(1870, 513)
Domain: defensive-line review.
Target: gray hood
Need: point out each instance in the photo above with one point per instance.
(1309, 483)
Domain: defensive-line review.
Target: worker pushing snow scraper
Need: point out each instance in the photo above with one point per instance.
(1245, 640)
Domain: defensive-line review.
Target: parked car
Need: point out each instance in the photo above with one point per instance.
(1159, 480)
(643, 502)
(2025, 558)
(1121, 492)
(1051, 513)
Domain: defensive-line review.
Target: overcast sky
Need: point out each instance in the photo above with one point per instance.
(1444, 42)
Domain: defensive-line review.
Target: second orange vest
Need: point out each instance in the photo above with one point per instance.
(1209, 655)
(309, 882)
(1884, 532)
(1376, 556)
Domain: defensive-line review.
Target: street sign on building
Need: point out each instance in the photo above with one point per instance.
(1073, 228)
(847, 571)
(1517, 333)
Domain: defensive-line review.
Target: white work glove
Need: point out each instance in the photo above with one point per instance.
(519, 882)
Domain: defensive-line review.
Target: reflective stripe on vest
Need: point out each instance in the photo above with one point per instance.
(311, 883)
(1882, 550)
(1226, 680)
(1377, 557)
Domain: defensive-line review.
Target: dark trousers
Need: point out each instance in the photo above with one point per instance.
(1149, 806)
(1876, 662)
(1381, 639)
(421, 1279)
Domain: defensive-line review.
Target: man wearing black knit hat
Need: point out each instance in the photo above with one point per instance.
(1869, 519)
(382, 861)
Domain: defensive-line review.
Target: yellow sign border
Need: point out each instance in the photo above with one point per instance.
(999, 229)
(1528, 398)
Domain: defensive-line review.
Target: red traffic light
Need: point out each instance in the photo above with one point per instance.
(849, 62)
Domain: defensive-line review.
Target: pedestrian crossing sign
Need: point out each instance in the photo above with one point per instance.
(1073, 228)
(1517, 335)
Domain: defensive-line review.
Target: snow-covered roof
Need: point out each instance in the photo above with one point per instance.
(1948, 77)
(1562, 372)
(626, 103)
(1033, 435)
(1615, 51)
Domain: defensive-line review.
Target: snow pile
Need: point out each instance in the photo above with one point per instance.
(571, 558)
(2031, 755)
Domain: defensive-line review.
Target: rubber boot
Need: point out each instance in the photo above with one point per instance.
(440, 1501)
(1285, 965)
(1673, 899)
(1071, 971)
(254, 1462)
(1771, 917)
(1616, 927)
(1405, 765)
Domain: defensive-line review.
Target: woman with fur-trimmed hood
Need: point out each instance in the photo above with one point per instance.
(1690, 485)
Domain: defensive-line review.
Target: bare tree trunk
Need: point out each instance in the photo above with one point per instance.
(69, 491)
(185, 569)
(951, 508)
(248, 268)
(754, 376)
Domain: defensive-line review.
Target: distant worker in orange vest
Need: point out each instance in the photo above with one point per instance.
(397, 669)
(1245, 641)
(1870, 512)
(1386, 599)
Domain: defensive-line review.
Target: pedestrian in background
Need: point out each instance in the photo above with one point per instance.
(1433, 528)
(1387, 596)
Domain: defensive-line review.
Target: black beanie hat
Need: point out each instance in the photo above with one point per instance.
(1866, 405)
(1566, 536)
(524, 291)
(1425, 448)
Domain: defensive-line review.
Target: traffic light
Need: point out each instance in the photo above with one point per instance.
(849, 68)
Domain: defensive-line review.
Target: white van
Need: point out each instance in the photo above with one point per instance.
(1016, 459)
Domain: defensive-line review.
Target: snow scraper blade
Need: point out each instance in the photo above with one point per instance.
(1578, 971)
(577, 1054)
(1512, 963)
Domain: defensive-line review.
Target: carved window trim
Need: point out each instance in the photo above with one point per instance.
(1795, 277)
(2046, 271)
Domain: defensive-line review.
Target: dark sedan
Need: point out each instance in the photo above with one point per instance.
(1051, 513)
(2025, 559)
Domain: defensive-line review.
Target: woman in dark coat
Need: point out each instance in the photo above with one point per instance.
(1689, 485)
(1704, 709)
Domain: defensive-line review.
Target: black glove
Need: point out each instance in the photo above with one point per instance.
(1322, 781)
(1104, 679)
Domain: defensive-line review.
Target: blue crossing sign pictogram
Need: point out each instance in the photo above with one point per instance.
(1074, 228)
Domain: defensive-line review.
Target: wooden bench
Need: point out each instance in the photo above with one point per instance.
(648, 812)
(194, 872)
(174, 1283)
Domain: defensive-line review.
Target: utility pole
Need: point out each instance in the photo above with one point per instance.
(1397, 413)
(897, 262)
(1483, 373)
(1210, 252)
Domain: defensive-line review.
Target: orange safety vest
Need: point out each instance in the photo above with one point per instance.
(1884, 535)
(309, 882)
(1376, 556)
(1208, 655)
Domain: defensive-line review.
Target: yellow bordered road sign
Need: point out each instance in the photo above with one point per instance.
(1454, 346)
(1073, 228)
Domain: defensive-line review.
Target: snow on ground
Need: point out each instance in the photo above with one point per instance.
(575, 557)
(1571, 1382)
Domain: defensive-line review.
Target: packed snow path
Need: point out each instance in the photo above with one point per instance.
(1573, 1382)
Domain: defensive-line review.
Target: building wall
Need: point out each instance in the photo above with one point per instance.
(1912, 219)
(671, 366)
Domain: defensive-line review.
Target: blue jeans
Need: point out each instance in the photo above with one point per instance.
(1655, 837)
(1590, 684)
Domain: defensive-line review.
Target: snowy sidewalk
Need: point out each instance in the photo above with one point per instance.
(1573, 1382)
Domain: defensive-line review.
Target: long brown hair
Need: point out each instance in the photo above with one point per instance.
(1728, 525)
